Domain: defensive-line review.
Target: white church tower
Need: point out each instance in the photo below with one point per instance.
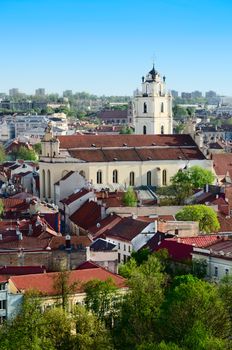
(153, 106)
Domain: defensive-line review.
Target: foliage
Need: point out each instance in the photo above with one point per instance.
(37, 148)
(141, 255)
(225, 291)
(199, 176)
(2, 154)
(130, 198)
(179, 112)
(127, 269)
(126, 130)
(193, 313)
(63, 287)
(199, 268)
(206, 216)
(90, 333)
(101, 298)
(24, 153)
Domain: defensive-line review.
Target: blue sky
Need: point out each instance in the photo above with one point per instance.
(105, 46)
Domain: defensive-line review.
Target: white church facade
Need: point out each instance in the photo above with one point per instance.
(153, 106)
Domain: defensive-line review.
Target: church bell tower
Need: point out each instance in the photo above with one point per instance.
(153, 106)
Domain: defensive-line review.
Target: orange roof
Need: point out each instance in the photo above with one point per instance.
(198, 241)
(44, 282)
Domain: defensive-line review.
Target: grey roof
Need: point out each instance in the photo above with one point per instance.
(102, 245)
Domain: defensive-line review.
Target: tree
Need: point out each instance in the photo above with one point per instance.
(206, 216)
(38, 148)
(64, 287)
(225, 291)
(90, 332)
(179, 112)
(126, 130)
(200, 177)
(2, 154)
(130, 198)
(126, 270)
(193, 314)
(101, 298)
(25, 153)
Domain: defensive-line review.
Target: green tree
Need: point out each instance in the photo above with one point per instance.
(126, 130)
(38, 148)
(101, 298)
(193, 313)
(2, 154)
(179, 112)
(206, 216)
(199, 176)
(63, 287)
(225, 291)
(130, 198)
(126, 270)
(90, 332)
(139, 313)
(25, 153)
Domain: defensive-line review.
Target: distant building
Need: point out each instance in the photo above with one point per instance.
(13, 92)
(174, 93)
(210, 94)
(67, 93)
(196, 94)
(40, 92)
(113, 116)
(186, 95)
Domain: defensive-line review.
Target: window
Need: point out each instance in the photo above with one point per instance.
(216, 271)
(164, 177)
(144, 130)
(162, 130)
(115, 176)
(43, 179)
(162, 107)
(124, 259)
(118, 245)
(226, 272)
(99, 177)
(129, 248)
(132, 178)
(124, 247)
(49, 184)
(145, 107)
(149, 178)
(119, 257)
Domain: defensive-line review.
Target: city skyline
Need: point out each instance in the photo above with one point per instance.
(105, 48)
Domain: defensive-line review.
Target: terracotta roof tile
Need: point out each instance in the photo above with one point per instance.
(88, 215)
(74, 196)
(197, 241)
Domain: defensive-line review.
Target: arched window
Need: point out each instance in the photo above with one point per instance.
(49, 184)
(162, 129)
(164, 177)
(115, 176)
(132, 178)
(43, 180)
(162, 107)
(82, 173)
(99, 177)
(145, 107)
(144, 130)
(149, 178)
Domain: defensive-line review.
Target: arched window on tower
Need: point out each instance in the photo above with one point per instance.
(99, 177)
(162, 107)
(149, 178)
(43, 180)
(132, 179)
(164, 177)
(115, 176)
(49, 184)
(144, 130)
(162, 130)
(145, 107)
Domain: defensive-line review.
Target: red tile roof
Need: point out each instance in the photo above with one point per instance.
(21, 270)
(88, 215)
(225, 223)
(222, 163)
(86, 141)
(44, 283)
(74, 196)
(197, 241)
(105, 224)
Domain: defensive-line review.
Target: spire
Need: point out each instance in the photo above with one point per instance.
(153, 72)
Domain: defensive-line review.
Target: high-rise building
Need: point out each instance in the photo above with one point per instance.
(153, 106)
(40, 92)
(196, 94)
(186, 95)
(210, 94)
(13, 92)
(174, 93)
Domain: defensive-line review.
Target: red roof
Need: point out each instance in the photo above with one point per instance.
(222, 163)
(197, 241)
(21, 270)
(44, 283)
(105, 224)
(87, 215)
(74, 196)
(177, 251)
(87, 141)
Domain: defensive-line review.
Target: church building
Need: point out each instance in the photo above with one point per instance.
(150, 157)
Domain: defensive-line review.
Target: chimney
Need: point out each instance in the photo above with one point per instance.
(134, 216)
(207, 188)
(0, 237)
(103, 211)
(68, 242)
(156, 226)
(176, 232)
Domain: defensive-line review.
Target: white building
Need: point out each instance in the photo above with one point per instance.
(153, 106)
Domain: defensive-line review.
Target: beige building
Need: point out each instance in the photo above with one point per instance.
(116, 162)
(153, 106)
